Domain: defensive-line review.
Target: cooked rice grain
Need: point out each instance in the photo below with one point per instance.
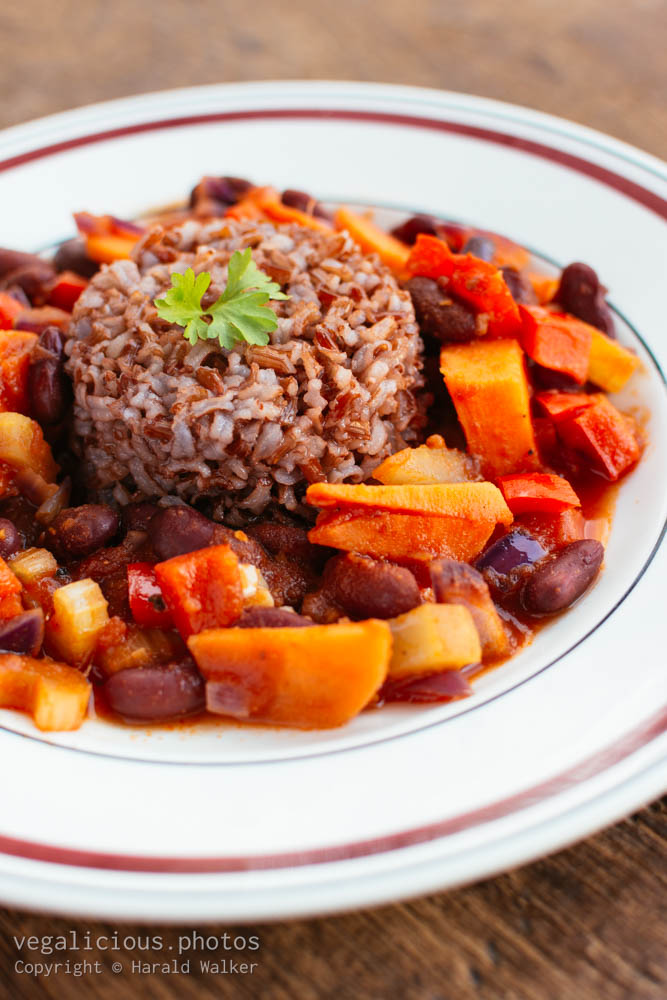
(332, 394)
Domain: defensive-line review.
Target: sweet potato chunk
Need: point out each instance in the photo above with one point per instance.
(372, 239)
(610, 365)
(431, 638)
(402, 536)
(458, 583)
(310, 678)
(488, 385)
(426, 464)
(470, 501)
(54, 694)
(456, 519)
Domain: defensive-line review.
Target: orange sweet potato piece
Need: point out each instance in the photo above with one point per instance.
(372, 239)
(402, 536)
(544, 287)
(202, 589)
(310, 678)
(15, 350)
(488, 385)
(470, 501)
(22, 446)
(610, 364)
(275, 210)
(54, 694)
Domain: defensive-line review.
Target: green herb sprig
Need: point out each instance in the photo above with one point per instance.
(239, 315)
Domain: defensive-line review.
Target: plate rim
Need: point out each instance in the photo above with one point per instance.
(529, 117)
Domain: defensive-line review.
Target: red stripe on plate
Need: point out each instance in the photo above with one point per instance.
(582, 772)
(629, 188)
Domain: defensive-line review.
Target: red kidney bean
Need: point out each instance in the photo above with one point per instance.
(304, 203)
(49, 390)
(367, 588)
(409, 230)
(581, 293)
(516, 548)
(289, 540)
(562, 578)
(22, 515)
(521, 290)
(177, 530)
(480, 246)
(223, 190)
(79, 531)
(12, 260)
(156, 694)
(257, 617)
(138, 516)
(52, 341)
(72, 256)
(34, 279)
(10, 538)
(438, 314)
(23, 633)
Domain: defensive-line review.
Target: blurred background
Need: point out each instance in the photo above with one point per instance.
(599, 62)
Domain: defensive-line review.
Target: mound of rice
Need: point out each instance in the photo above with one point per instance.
(334, 392)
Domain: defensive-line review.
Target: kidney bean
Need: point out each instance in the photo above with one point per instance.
(22, 515)
(10, 538)
(516, 548)
(33, 278)
(257, 617)
(480, 246)
(521, 290)
(367, 588)
(156, 694)
(561, 579)
(290, 540)
(409, 230)
(49, 390)
(71, 256)
(52, 341)
(78, 531)
(304, 203)
(12, 260)
(138, 516)
(581, 293)
(223, 190)
(177, 530)
(438, 314)
(23, 633)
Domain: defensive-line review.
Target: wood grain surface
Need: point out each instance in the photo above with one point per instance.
(591, 922)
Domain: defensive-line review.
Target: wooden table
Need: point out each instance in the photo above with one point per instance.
(591, 921)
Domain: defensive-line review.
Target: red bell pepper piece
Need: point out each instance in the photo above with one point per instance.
(9, 310)
(147, 604)
(557, 341)
(471, 279)
(563, 405)
(202, 589)
(15, 350)
(66, 289)
(538, 492)
(10, 593)
(606, 436)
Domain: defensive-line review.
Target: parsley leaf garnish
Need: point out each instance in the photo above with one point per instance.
(239, 314)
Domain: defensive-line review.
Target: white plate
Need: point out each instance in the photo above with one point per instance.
(245, 824)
